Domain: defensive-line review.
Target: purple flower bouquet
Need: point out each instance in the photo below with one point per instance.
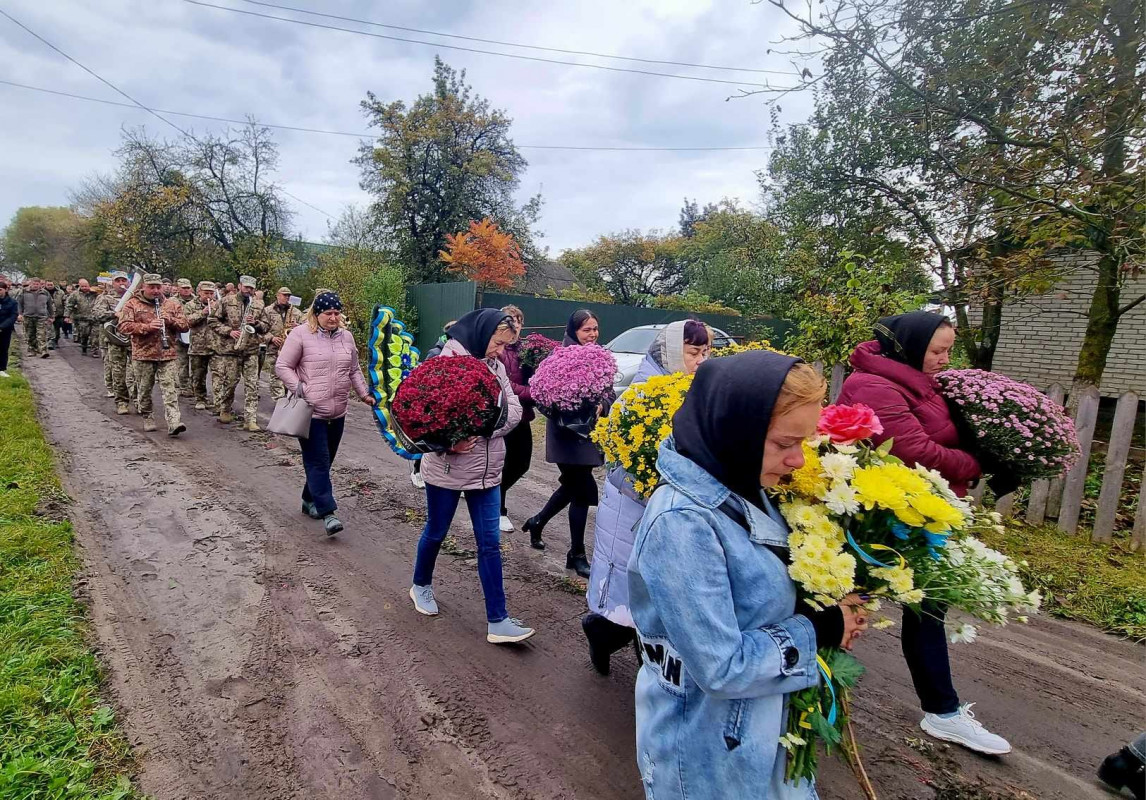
(572, 384)
(1015, 426)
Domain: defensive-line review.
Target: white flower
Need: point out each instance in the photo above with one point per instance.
(1034, 600)
(963, 634)
(838, 466)
(841, 499)
(847, 449)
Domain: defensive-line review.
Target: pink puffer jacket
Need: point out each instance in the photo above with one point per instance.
(481, 467)
(326, 365)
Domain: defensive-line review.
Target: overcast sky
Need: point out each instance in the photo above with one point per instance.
(170, 54)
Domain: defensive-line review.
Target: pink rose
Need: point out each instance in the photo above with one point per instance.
(849, 424)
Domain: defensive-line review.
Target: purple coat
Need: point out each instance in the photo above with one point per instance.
(511, 359)
(913, 413)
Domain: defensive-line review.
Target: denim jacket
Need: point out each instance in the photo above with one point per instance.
(713, 606)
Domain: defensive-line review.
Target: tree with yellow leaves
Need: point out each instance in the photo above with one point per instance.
(484, 254)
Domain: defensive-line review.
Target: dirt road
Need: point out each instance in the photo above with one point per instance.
(254, 658)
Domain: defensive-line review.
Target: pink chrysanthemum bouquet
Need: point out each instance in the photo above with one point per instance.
(1013, 424)
(572, 384)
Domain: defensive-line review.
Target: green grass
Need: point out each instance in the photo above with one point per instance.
(1104, 585)
(58, 738)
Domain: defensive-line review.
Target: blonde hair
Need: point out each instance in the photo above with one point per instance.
(803, 386)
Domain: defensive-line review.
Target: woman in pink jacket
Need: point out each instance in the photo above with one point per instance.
(319, 361)
(472, 467)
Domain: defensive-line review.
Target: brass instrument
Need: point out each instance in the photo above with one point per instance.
(163, 341)
(111, 327)
(245, 329)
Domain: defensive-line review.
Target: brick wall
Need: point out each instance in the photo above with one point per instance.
(1041, 335)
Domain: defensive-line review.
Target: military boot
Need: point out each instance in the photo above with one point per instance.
(252, 425)
(148, 424)
(122, 408)
(226, 417)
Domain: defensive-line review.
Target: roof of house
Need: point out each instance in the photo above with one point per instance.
(542, 275)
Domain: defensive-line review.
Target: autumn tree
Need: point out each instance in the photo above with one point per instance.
(484, 254)
(633, 267)
(990, 131)
(437, 164)
(46, 242)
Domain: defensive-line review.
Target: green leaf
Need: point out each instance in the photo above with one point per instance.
(846, 668)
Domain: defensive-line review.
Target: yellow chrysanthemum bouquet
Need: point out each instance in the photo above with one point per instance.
(631, 436)
(862, 521)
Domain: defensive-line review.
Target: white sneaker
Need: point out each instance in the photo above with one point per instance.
(424, 602)
(4, 374)
(416, 476)
(964, 729)
(506, 525)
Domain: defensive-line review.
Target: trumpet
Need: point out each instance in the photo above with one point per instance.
(164, 343)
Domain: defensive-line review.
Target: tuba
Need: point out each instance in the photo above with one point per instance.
(111, 327)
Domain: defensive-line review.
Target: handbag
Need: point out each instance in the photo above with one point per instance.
(292, 415)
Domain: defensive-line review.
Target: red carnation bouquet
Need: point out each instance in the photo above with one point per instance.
(446, 400)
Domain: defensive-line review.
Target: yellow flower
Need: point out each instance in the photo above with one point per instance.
(938, 510)
(809, 480)
(874, 489)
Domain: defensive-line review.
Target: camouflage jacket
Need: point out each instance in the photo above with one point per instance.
(228, 316)
(198, 319)
(103, 310)
(146, 344)
(279, 323)
(59, 302)
(80, 305)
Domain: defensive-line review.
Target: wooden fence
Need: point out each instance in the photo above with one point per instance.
(1061, 499)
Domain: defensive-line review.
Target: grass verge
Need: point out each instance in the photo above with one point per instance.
(1104, 585)
(58, 739)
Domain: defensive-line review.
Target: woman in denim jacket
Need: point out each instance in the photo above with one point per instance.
(715, 610)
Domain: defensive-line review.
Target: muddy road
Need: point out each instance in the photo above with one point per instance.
(254, 658)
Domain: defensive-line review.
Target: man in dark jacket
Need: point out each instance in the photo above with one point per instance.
(36, 312)
(9, 310)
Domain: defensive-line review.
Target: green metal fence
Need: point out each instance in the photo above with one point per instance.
(438, 303)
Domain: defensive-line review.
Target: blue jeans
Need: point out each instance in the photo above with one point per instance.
(318, 451)
(485, 508)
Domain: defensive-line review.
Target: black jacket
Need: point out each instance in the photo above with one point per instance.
(9, 310)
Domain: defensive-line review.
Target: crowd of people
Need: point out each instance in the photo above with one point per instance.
(694, 579)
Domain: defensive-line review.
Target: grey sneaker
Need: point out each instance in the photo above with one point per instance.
(424, 602)
(964, 729)
(332, 524)
(508, 631)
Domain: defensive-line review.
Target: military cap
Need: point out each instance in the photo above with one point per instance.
(183, 283)
(205, 286)
(283, 290)
(247, 280)
(153, 279)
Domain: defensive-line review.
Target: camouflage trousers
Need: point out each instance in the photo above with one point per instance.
(123, 382)
(225, 374)
(183, 369)
(277, 390)
(36, 332)
(84, 334)
(149, 373)
(199, 366)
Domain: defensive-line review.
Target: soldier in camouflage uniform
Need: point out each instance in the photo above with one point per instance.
(154, 322)
(35, 310)
(78, 312)
(198, 312)
(118, 369)
(237, 352)
(184, 295)
(280, 319)
(56, 313)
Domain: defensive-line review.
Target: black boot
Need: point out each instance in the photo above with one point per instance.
(1124, 769)
(578, 563)
(533, 527)
(605, 638)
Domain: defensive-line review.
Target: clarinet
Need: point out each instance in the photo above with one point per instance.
(162, 331)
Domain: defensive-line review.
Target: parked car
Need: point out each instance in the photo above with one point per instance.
(629, 350)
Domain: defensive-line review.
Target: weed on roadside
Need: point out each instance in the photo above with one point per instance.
(1104, 585)
(58, 737)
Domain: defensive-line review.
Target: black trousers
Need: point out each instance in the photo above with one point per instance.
(578, 490)
(518, 455)
(5, 343)
(925, 649)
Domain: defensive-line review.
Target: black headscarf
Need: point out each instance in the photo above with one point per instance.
(724, 420)
(474, 330)
(576, 320)
(905, 337)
